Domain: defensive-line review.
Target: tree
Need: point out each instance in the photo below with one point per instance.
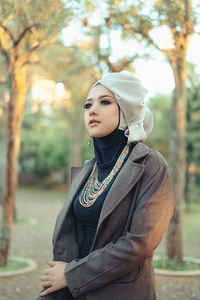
(70, 67)
(24, 28)
(192, 133)
(3, 141)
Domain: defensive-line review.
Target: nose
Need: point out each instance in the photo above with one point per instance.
(93, 110)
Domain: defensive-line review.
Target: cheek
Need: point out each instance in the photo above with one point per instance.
(115, 115)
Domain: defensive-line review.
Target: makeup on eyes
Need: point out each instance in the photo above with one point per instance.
(101, 98)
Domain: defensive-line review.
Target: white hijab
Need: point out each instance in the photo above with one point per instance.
(136, 118)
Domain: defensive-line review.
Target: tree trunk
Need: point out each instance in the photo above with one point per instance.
(3, 151)
(15, 114)
(177, 165)
(187, 187)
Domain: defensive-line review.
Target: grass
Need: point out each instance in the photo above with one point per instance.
(13, 265)
(21, 221)
(190, 237)
(163, 263)
(190, 224)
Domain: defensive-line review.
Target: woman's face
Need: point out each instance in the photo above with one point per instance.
(101, 112)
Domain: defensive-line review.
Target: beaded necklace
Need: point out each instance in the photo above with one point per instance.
(93, 187)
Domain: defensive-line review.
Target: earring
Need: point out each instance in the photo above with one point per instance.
(89, 144)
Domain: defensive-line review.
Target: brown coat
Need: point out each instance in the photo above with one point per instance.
(119, 265)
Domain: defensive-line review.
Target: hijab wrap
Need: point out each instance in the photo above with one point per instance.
(136, 119)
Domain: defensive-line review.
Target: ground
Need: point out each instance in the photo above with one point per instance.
(31, 238)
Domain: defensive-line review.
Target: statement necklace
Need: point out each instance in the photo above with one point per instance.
(93, 188)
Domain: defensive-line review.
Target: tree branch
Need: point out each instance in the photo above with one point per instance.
(127, 62)
(27, 60)
(188, 18)
(40, 45)
(118, 66)
(8, 32)
(149, 39)
(23, 33)
(4, 52)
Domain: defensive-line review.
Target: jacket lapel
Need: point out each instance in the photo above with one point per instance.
(124, 182)
(78, 175)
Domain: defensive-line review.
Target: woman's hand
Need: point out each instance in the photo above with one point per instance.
(53, 278)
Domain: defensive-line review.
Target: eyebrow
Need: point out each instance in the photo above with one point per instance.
(90, 99)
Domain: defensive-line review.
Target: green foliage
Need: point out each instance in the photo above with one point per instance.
(47, 16)
(77, 73)
(160, 136)
(193, 135)
(44, 144)
(51, 154)
(193, 116)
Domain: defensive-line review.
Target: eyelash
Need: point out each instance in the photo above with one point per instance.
(85, 106)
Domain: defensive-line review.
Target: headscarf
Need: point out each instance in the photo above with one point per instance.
(136, 118)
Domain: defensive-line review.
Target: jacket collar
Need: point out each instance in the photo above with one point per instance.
(124, 182)
(140, 150)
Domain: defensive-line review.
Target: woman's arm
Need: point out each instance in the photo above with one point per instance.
(151, 217)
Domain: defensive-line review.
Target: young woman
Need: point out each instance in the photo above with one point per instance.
(119, 205)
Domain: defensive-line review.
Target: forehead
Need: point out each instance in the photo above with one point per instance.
(98, 91)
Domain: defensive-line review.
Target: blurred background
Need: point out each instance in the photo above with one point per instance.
(51, 52)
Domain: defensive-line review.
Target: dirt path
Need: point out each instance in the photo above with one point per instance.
(31, 238)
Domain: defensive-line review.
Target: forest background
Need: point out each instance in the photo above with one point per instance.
(51, 52)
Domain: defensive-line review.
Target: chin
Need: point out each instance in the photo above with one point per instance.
(98, 132)
(99, 135)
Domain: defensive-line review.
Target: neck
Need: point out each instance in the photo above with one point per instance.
(108, 148)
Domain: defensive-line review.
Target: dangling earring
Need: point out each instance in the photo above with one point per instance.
(89, 144)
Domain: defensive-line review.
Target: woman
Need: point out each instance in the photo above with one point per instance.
(119, 205)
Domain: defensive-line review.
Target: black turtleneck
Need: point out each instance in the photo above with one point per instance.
(107, 150)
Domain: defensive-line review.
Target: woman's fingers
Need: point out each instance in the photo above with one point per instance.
(45, 281)
(46, 284)
(46, 272)
(44, 278)
(50, 263)
(47, 291)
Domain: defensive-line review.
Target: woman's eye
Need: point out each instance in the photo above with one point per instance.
(86, 105)
(105, 102)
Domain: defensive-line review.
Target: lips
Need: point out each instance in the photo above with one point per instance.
(93, 122)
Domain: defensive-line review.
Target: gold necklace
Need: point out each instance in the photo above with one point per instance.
(93, 188)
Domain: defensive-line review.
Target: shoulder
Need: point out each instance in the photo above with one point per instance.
(147, 155)
(156, 158)
(75, 170)
(155, 164)
(155, 173)
(87, 161)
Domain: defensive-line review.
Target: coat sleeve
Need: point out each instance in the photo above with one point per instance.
(155, 206)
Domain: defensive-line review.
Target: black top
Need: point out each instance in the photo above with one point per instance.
(107, 151)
